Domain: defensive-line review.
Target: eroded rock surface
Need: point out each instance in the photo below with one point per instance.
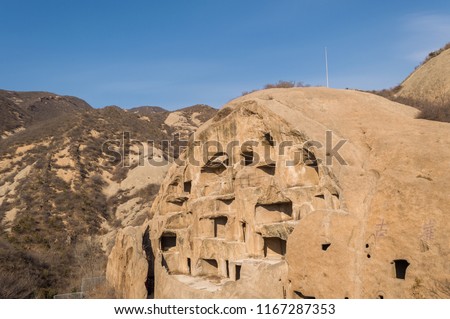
(315, 193)
(128, 264)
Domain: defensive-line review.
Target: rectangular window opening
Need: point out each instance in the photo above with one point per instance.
(188, 187)
(400, 268)
(238, 272)
(168, 241)
(274, 247)
(189, 265)
(244, 230)
(220, 226)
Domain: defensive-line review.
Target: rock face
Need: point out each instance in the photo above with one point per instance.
(127, 264)
(430, 82)
(307, 193)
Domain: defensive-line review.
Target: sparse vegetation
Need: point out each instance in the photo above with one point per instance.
(438, 111)
(36, 277)
(284, 84)
(60, 205)
(435, 112)
(436, 53)
(280, 84)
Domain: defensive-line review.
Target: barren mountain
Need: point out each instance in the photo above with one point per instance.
(70, 176)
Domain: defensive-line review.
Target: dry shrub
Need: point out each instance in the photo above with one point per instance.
(436, 113)
(280, 85)
(284, 85)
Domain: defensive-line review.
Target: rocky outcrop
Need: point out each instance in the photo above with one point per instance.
(128, 264)
(306, 193)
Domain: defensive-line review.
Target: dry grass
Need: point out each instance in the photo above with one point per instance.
(438, 110)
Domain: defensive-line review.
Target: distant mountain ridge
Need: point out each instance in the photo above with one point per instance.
(182, 121)
(148, 110)
(20, 110)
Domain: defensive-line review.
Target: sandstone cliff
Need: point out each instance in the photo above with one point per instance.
(315, 193)
(128, 265)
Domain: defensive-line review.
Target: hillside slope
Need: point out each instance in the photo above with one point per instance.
(430, 82)
(427, 88)
(70, 175)
(21, 110)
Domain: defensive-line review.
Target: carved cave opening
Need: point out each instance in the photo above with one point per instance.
(238, 272)
(274, 247)
(400, 268)
(268, 169)
(168, 241)
(220, 226)
(243, 231)
(212, 172)
(285, 208)
(269, 139)
(325, 246)
(273, 213)
(189, 266)
(187, 187)
(209, 267)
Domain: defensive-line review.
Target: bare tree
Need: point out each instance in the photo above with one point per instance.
(90, 258)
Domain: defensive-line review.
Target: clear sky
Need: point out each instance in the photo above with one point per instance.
(178, 53)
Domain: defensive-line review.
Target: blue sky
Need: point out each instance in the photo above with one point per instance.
(179, 53)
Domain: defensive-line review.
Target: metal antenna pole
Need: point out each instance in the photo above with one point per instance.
(326, 65)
